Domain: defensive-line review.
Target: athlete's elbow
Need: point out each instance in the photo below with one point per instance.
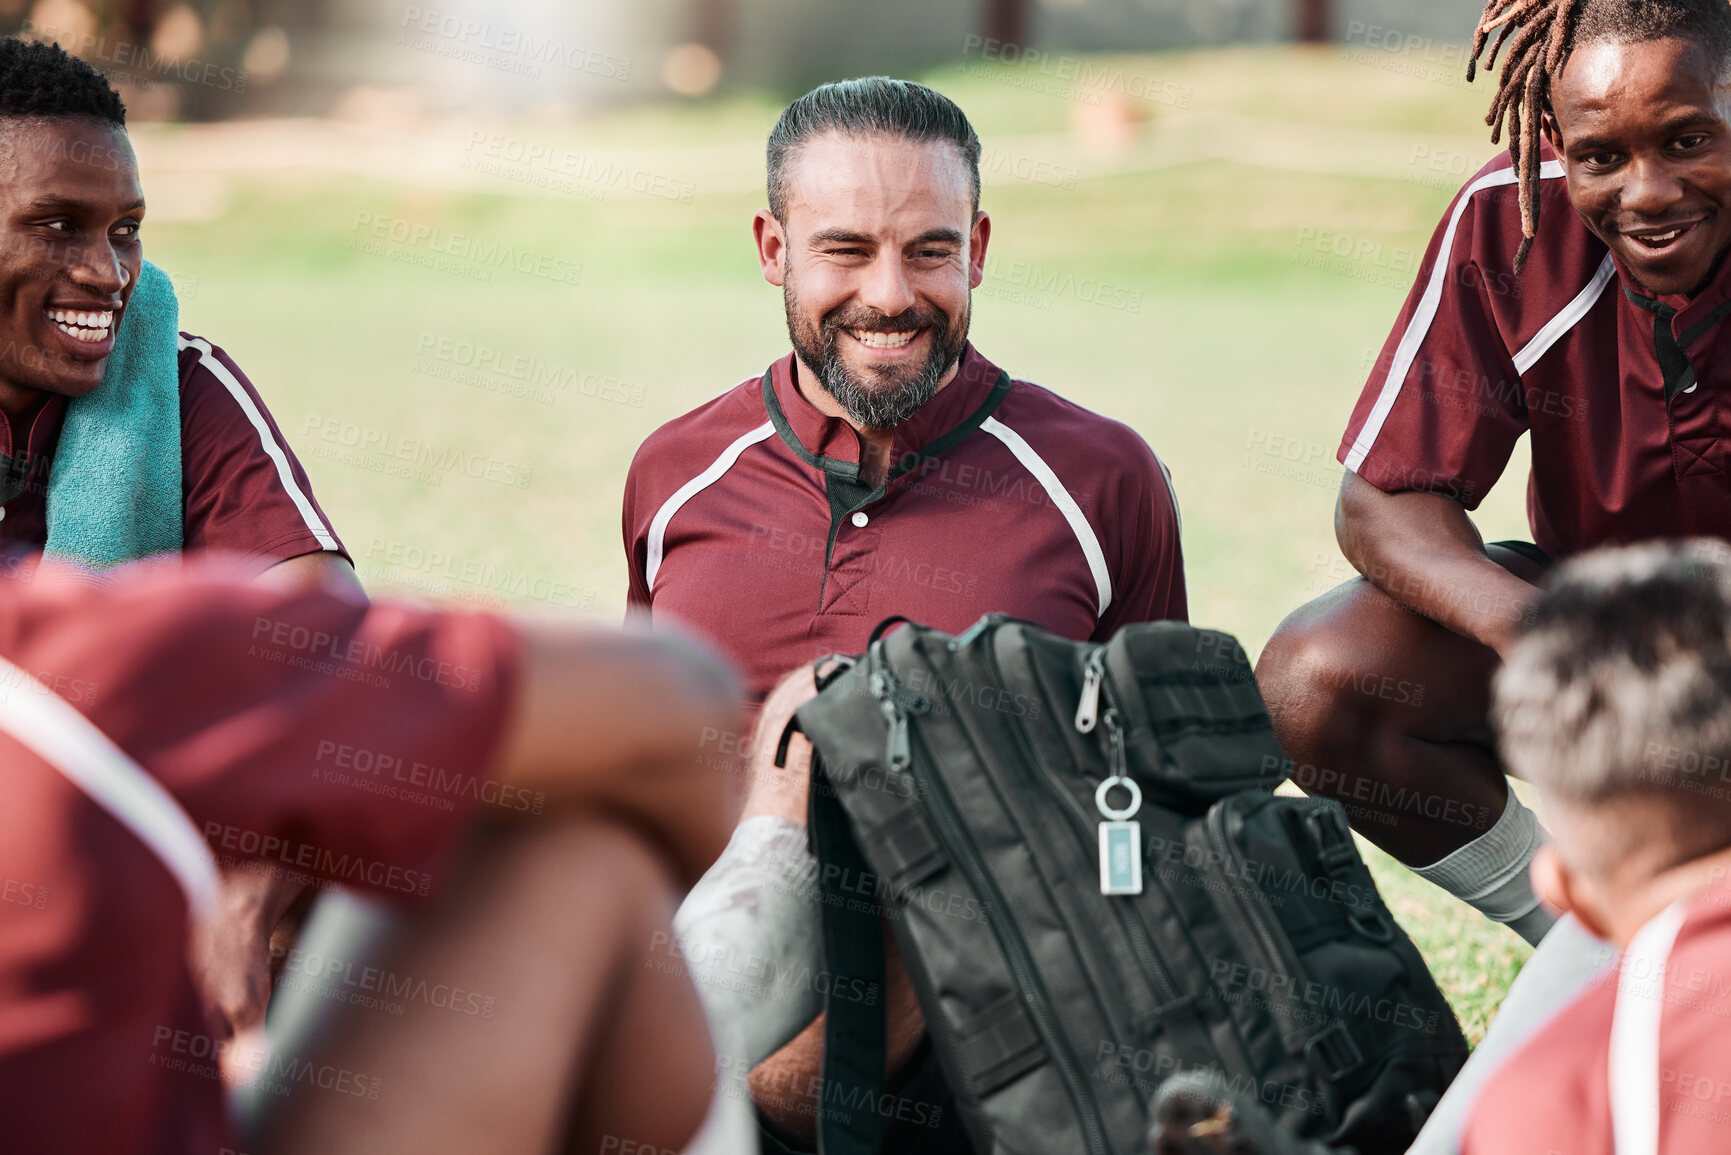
(1362, 519)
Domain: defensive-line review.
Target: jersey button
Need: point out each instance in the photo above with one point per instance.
(860, 520)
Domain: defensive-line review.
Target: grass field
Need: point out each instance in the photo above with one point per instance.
(1258, 230)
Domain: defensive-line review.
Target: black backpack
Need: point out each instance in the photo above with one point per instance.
(959, 798)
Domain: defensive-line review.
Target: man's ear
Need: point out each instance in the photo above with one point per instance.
(771, 246)
(1553, 134)
(1548, 881)
(1565, 892)
(978, 239)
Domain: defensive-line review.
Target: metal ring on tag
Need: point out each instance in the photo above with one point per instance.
(1129, 784)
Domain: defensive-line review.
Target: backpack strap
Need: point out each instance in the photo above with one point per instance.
(1634, 1065)
(52, 729)
(855, 1045)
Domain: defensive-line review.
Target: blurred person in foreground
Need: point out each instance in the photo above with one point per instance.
(884, 466)
(1616, 703)
(1598, 327)
(122, 437)
(149, 722)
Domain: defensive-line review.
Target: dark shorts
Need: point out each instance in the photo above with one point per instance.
(1529, 551)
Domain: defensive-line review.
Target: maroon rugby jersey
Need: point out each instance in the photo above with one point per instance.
(1553, 1096)
(246, 494)
(242, 702)
(742, 519)
(1624, 449)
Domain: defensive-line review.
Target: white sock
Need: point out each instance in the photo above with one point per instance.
(729, 1129)
(1490, 872)
(750, 937)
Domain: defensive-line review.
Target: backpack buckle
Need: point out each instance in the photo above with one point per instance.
(1333, 1055)
(1332, 838)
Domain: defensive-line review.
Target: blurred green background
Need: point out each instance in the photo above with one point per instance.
(1254, 214)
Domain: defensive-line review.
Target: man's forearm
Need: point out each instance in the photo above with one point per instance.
(1423, 551)
(759, 902)
(1474, 597)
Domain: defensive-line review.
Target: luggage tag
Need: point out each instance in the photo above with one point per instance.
(1120, 839)
(1120, 836)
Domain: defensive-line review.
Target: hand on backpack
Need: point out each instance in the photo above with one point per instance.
(781, 790)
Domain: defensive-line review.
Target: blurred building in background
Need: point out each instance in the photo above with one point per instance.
(211, 59)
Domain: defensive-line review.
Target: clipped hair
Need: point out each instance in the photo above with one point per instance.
(869, 106)
(1621, 684)
(38, 79)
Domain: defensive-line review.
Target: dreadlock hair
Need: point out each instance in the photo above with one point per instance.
(44, 80)
(1541, 35)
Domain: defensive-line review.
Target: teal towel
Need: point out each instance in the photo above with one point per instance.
(114, 490)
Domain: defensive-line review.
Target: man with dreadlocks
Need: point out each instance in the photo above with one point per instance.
(1610, 348)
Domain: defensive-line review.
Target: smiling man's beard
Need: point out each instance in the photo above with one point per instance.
(889, 397)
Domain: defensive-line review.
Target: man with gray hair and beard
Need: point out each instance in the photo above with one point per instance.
(883, 467)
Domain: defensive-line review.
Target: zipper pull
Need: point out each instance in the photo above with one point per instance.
(967, 636)
(1118, 761)
(898, 754)
(1088, 709)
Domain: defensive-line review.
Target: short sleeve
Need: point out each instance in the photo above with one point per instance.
(635, 528)
(1148, 579)
(246, 493)
(1444, 406)
(320, 735)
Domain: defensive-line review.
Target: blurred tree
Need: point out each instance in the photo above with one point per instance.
(1007, 20)
(1315, 21)
(714, 25)
(136, 18)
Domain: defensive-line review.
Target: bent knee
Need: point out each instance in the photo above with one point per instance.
(1307, 671)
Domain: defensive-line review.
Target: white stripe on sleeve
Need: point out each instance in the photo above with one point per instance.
(284, 472)
(718, 467)
(1063, 502)
(1419, 327)
(56, 732)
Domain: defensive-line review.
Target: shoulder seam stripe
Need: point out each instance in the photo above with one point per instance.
(1065, 504)
(1419, 327)
(1571, 316)
(718, 467)
(326, 539)
(1171, 492)
(56, 732)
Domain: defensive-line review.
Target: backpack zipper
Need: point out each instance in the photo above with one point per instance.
(1034, 994)
(942, 807)
(1214, 827)
(895, 704)
(1164, 985)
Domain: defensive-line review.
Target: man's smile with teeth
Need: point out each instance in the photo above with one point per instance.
(875, 340)
(81, 325)
(1661, 240)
